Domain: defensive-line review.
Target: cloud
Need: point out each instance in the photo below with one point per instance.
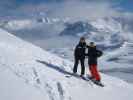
(61, 8)
(80, 9)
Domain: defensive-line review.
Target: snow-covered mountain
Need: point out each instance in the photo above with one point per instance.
(28, 72)
(60, 35)
(107, 32)
(36, 28)
(119, 62)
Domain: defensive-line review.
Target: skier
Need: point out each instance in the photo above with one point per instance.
(79, 54)
(93, 54)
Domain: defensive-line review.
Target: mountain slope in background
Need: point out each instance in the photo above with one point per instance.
(31, 73)
(107, 32)
(113, 35)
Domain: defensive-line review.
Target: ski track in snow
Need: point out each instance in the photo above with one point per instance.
(60, 90)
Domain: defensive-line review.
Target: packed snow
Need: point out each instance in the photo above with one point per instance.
(28, 72)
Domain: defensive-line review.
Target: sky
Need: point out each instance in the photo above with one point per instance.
(63, 7)
(127, 5)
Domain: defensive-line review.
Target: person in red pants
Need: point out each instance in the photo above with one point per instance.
(93, 54)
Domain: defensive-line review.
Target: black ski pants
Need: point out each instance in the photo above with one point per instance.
(82, 65)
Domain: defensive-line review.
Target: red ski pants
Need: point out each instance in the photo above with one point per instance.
(94, 72)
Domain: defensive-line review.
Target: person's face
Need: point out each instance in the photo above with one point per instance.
(92, 45)
(82, 41)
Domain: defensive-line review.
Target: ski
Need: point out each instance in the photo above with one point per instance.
(85, 79)
(77, 76)
(98, 83)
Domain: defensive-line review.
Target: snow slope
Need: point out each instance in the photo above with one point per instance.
(30, 73)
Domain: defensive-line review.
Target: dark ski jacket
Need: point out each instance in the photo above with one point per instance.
(79, 51)
(93, 54)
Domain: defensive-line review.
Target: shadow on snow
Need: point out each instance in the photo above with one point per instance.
(59, 69)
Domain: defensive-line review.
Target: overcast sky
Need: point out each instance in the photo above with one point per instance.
(74, 8)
